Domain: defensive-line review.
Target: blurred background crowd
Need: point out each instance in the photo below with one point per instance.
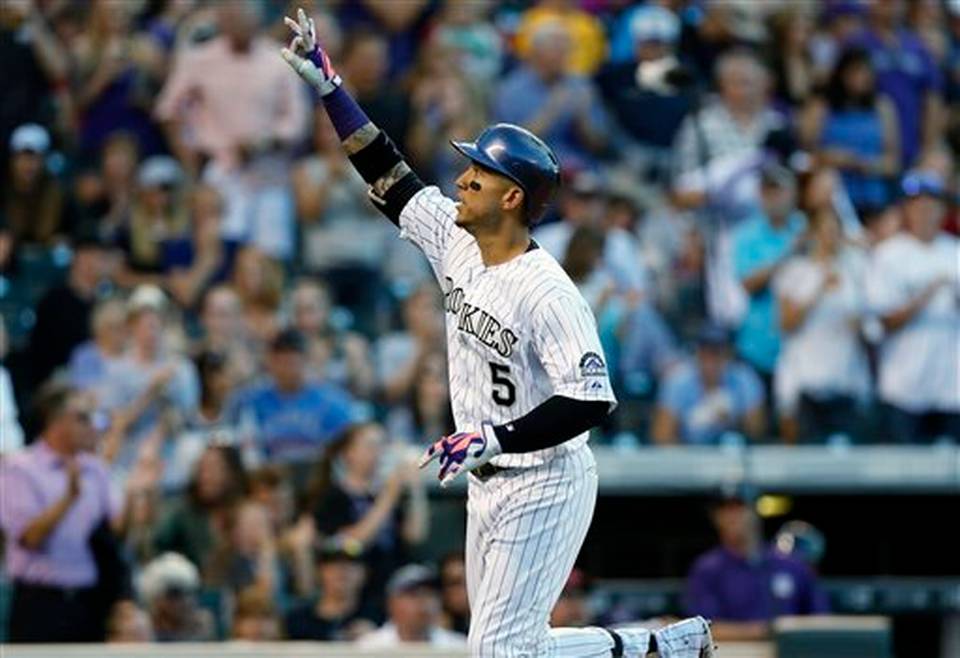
(212, 338)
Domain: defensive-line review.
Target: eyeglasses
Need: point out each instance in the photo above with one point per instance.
(82, 415)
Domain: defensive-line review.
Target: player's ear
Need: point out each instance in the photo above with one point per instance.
(512, 198)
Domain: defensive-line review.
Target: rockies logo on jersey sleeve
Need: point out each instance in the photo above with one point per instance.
(566, 342)
(591, 365)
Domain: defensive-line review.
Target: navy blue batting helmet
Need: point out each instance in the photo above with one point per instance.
(522, 157)
(801, 540)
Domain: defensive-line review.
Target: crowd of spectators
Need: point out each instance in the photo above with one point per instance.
(218, 360)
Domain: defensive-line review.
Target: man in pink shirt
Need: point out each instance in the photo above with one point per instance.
(232, 111)
(53, 496)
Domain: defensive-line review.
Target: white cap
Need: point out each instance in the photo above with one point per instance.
(30, 137)
(159, 170)
(653, 23)
(147, 297)
(170, 571)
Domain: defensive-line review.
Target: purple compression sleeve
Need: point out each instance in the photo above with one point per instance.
(345, 115)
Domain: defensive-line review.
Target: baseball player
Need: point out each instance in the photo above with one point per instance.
(527, 379)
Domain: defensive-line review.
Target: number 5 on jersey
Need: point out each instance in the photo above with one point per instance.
(504, 390)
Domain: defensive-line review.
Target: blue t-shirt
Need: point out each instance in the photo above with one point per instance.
(291, 427)
(906, 72)
(758, 244)
(726, 587)
(683, 394)
(858, 131)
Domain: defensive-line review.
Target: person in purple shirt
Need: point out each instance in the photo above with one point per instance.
(57, 495)
(907, 73)
(742, 585)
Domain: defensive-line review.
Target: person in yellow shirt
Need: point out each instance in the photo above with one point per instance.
(589, 50)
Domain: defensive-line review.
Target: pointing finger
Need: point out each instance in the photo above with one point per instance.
(292, 24)
(430, 454)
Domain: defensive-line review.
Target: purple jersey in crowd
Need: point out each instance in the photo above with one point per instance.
(726, 587)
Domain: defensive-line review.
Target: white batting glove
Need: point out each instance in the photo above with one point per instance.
(307, 58)
(463, 451)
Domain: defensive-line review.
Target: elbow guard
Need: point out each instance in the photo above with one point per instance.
(376, 159)
(395, 198)
(392, 183)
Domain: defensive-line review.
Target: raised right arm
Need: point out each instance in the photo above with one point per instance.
(372, 153)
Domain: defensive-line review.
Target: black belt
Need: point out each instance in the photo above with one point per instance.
(487, 471)
(53, 591)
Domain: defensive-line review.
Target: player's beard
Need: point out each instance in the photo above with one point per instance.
(474, 222)
(466, 217)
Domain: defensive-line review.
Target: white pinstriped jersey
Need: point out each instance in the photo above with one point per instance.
(517, 333)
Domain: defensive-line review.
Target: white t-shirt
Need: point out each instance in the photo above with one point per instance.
(920, 363)
(386, 636)
(11, 434)
(824, 354)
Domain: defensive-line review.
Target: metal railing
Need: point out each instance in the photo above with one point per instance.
(799, 469)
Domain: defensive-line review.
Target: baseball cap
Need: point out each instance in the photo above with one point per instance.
(713, 335)
(773, 174)
(410, 578)
(159, 171)
(918, 182)
(167, 575)
(146, 297)
(30, 137)
(288, 340)
(801, 540)
(735, 492)
(653, 23)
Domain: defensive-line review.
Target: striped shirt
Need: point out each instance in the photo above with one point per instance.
(518, 333)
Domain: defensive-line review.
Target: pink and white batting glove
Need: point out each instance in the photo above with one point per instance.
(307, 58)
(463, 451)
